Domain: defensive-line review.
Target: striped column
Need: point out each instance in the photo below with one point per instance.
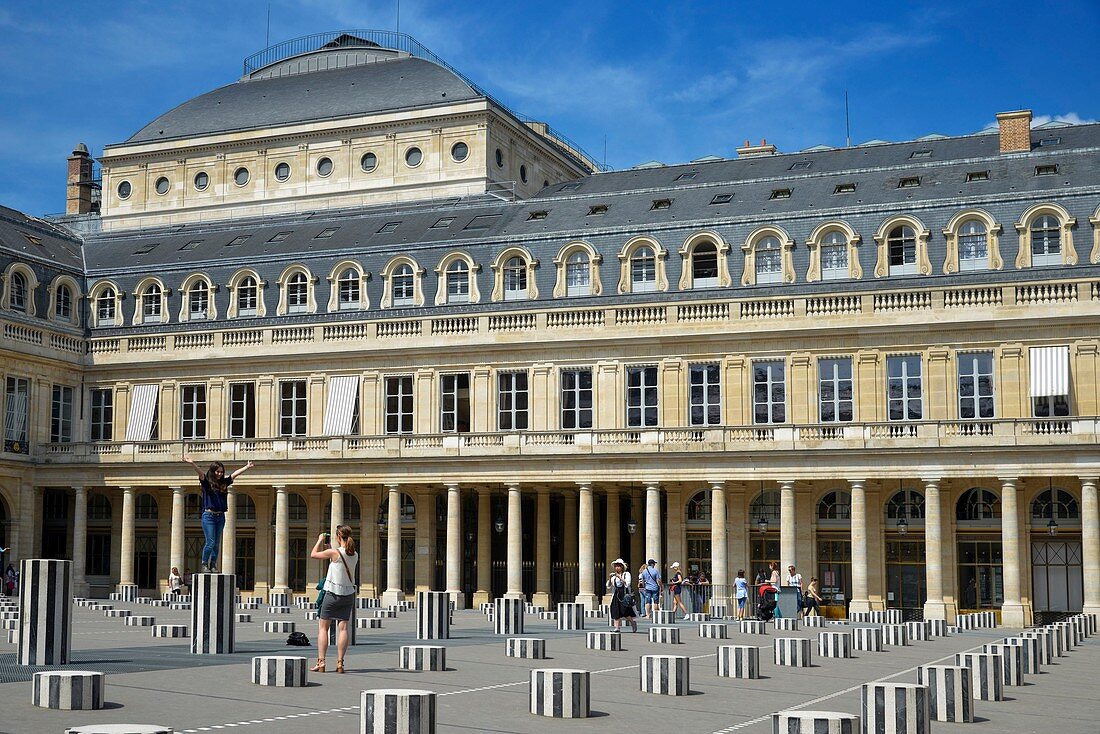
(986, 674)
(533, 648)
(169, 630)
(242, 618)
(785, 624)
(278, 626)
(45, 609)
(213, 629)
(918, 630)
(570, 616)
(433, 615)
(815, 722)
(714, 630)
(334, 628)
(423, 657)
(738, 661)
(868, 639)
(834, 644)
(127, 592)
(814, 620)
(560, 693)
(895, 634)
(508, 616)
(612, 641)
(667, 675)
(1030, 653)
(368, 623)
(1012, 665)
(364, 602)
(1068, 632)
(937, 627)
(278, 599)
(396, 711)
(878, 616)
(134, 621)
(753, 627)
(1049, 644)
(859, 616)
(281, 671)
(117, 613)
(895, 708)
(665, 635)
(948, 691)
(792, 652)
(663, 616)
(68, 690)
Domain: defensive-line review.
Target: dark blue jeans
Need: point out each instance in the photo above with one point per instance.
(212, 528)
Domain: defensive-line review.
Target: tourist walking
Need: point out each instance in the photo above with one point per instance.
(702, 592)
(774, 578)
(215, 489)
(741, 589)
(650, 580)
(338, 594)
(794, 580)
(11, 576)
(175, 582)
(812, 598)
(676, 586)
(622, 595)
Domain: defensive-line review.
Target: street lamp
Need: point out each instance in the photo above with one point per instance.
(1052, 527)
(903, 525)
(762, 523)
(631, 523)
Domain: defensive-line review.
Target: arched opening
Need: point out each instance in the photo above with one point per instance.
(297, 293)
(905, 550)
(17, 301)
(704, 266)
(458, 282)
(643, 270)
(834, 552)
(764, 546)
(1057, 574)
(698, 559)
(901, 250)
(979, 553)
(515, 279)
(349, 290)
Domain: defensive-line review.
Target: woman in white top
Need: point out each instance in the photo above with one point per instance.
(175, 581)
(622, 595)
(339, 593)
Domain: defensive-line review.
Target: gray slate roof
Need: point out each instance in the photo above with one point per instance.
(29, 239)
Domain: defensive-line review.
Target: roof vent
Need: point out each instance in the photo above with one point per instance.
(755, 151)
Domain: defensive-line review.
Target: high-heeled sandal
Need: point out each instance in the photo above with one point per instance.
(340, 666)
(319, 667)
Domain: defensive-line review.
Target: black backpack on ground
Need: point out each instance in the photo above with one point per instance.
(298, 639)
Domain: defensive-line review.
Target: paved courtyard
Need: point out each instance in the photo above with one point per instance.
(157, 681)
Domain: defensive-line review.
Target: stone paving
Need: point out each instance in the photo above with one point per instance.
(157, 681)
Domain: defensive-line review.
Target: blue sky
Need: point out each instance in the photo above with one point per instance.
(666, 81)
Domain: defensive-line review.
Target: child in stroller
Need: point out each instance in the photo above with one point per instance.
(765, 609)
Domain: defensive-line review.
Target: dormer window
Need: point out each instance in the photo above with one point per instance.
(921, 154)
(1049, 141)
(661, 204)
(1047, 170)
(389, 227)
(844, 188)
(977, 176)
(597, 210)
(801, 165)
(909, 182)
(722, 199)
(537, 215)
(780, 194)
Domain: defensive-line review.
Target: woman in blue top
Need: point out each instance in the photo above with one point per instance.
(215, 488)
(741, 584)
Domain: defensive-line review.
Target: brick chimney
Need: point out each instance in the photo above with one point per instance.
(1015, 131)
(78, 192)
(754, 151)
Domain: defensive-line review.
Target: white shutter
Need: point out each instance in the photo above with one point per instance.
(15, 423)
(343, 396)
(1049, 371)
(143, 404)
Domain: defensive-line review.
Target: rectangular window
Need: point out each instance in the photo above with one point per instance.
(641, 397)
(292, 408)
(454, 416)
(904, 390)
(512, 401)
(780, 194)
(98, 553)
(705, 387)
(834, 390)
(399, 404)
(17, 395)
(769, 392)
(61, 414)
(976, 385)
(242, 410)
(102, 416)
(193, 412)
(576, 399)
(1050, 406)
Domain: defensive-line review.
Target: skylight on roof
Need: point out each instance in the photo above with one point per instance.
(1049, 141)
(571, 186)
(780, 194)
(661, 204)
(722, 199)
(279, 237)
(597, 210)
(32, 239)
(324, 234)
(443, 223)
(977, 176)
(146, 249)
(191, 245)
(844, 188)
(389, 227)
(687, 176)
(239, 240)
(541, 214)
(1046, 170)
(482, 221)
(801, 166)
(921, 154)
(909, 182)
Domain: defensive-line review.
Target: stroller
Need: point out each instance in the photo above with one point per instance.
(765, 609)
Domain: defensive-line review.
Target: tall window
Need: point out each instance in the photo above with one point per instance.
(458, 282)
(641, 397)
(704, 266)
(198, 301)
(102, 416)
(18, 292)
(193, 412)
(242, 410)
(17, 399)
(515, 279)
(834, 256)
(705, 388)
(248, 297)
(578, 275)
(973, 246)
(834, 390)
(769, 392)
(63, 303)
(576, 399)
(455, 404)
(512, 401)
(105, 306)
(404, 286)
(399, 404)
(151, 302)
(904, 390)
(348, 290)
(643, 270)
(1046, 241)
(769, 261)
(61, 414)
(976, 385)
(901, 248)
(292, 408)
(297, 293)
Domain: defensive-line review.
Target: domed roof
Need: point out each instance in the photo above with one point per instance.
(393, 84)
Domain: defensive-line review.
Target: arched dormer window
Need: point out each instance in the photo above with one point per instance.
(456, 280)
(973, 243)
(578, 274)
(246, 295)
(578, 271)
(643, 270)
(515, 279)
(769, 257)
(978, 505)
(198, 299)
(642, 266)
(64, 300)
(514, 276)
(704, 262)
(402, 286)
(19, 289)
(833, 253)
(902, 248)
(769, 261)
(63, 303)
(1046, 241)
(17, 292)
(150, 306)
(296, 291)
(1094, 220)
(347, 287)
(1046, 237)
(105, 305)
(1055, 504)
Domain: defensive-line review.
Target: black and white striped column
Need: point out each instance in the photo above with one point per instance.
(45, 609)
(815, 722)
(918, 630)
(878, 616)
(116, 613)
(423, 657)
(937, 627)
(859, 616)
(986, 674)
(867, 639)
(1048, 644)
(612, 641)
(570, 616)
(665, 635)
(213, 626)
(714, 630)
(738, 661)
(895, 634)
(1030, 653)
(278, 599)
(396, 711)
(948, 691)
(242, 617)
(364, 602)
(334, 628)
(68, 690)
(433, 615)
(142, 621)
(281, 671)
(1068, 632)
(508, 616)
(560, 693)
(169, 630)
(895, 708)
(785, 624)
(834, 644)
(1012, 662)
(126, 592)
(753, 627)
(665, 674)
(278, 626)
(533, 648)
(813, 620)
(792, 652)
(663, 616)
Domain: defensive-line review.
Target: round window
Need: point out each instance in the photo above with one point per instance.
(240, 176)
(460, 151)
(202, 180)
(324, 167)
(413, 157)
(124, 190)
(523, 174)
(282, 172)
(500, 158)
(162, 185)
(368, 162)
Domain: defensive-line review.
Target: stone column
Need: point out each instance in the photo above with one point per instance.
(934, 606)
(484, 546)
(861, 601)
(454, 546)
(586, 549)
(282, 541)
(719, 544)
(175, 554)
(614, 534)
(126, 557)
(569, 543)
(787, 541)
(1090, 544)
(1013, 611)
(228, 560)
(515, 543)
(542, 550)
(637, 538)
(80, 541)
(393, 593)
(368, 584)
(653, 524)
(336, 516)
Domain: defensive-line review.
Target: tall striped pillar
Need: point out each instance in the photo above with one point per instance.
(213, 624)
(433, 615)
(45, 609)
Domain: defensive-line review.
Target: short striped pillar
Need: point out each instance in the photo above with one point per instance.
(719, 611)
(368, 623)
(738, 661)
(785, 624)
(753, 627)
(249, 605)
(593, 614)
(278, 626)
(396, 711)
(243, 618)
(385, 613)
(1090, 621)
(169, 630)
(12, 637)
(1048, 644)
(987, 619)
(1012, 662)
(278, 599)
(792, 652)
(878, 616)
(508, 616)
(895, 634)
(534, 609)
(665, 635)
(986, 674)
(213, 626)
(815, 722)
(1070, 638)
(1030, 654)
(548, 616)
(45, 611)
(560, 693)
(334, 629)
(950, 697)
(966, 622)
(304, 602)
(663, 616)
(311, 616)
(116, 613)
(895, 708)
(937, 627)
(68, 690)
(181, 606)
(813, 620)
(126, 592)
(142, 621)
(667, 675)
(918, 630)
(280, 671)
(859, 616)
(834, 644)
(364, 602)
(570, 616)
(867, 639)
(532, 648)
(433, 615)
(696, 617)
(714, 630)
(423, 657)
(612, 641)
(1081, 625)
(893, 616)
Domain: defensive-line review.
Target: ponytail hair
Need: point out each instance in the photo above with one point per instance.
(343, 532)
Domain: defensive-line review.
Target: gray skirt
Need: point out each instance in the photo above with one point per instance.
(337, 606)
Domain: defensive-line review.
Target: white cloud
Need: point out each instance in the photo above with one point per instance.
(1070, 117)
